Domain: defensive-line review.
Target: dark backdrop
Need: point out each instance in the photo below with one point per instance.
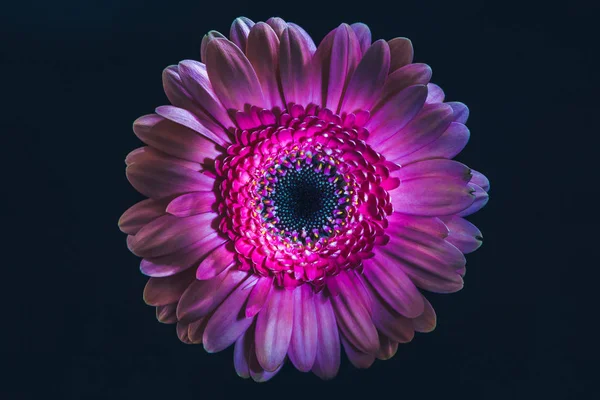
(75, 76)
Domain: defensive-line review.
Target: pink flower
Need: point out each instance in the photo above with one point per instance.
(300, 197)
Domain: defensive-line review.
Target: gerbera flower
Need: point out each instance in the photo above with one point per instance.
(301, 197)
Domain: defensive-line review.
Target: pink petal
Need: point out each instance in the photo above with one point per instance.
(195, 79)
(203, 297)
(163, 291)
(401, 50)
(357, 357)
(309, 42)
(175, 139)
(427, 321)
(194, 122)
(228, 322)
(263, 54)
(367, 81)
(448, 145)
(216, 262)
(140, 214)
(481, 199)
(232, 76)
(166, 314)
(335, 60)
(240, 28)
(274, 329)
(387, 349)
(168, 234)
(363, 34)
(303, 345)
(151, 155)
(463, 234)
(435, 94)
(427, 126)
(209, 37)
(327, 360)
(176, 91)
(395, 287)
(171, 264)
(432, 188)
(353, 317)
(396, 113)
(432, 226)
(259, 296)
(295, 67)
(192, 204)
(397, 81)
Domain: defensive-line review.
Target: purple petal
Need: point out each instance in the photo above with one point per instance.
(327, 360)
(228, 322)
(353, 317)
(216, 262)
(397, 81)
(203, 297)
(480, 180)
(232, 76)
(274, 329)
(257, 372)
(357, 357)
(401, 50)
(448, 145)
(240, 28)
(278, 25)
(189, 120)
(192, 204)
(140, 214)
(183, 259)
(461, 112)
(363, 34)
(395, 287)
(241, 352)
(435, 94)
(168, 234)
(259, 296)
(463, 234)
(163, 291)
(367, 81)
(209, 37)
(387, 349)
(395, 113)
(309, 42)
(151, 155)
(425, 322)
(263, 54)
(303, 345)
(432, 226)
(389, 322)
(481, 199)
(295, 67)
(196, 330)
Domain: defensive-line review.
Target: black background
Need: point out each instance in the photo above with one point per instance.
(76, 74)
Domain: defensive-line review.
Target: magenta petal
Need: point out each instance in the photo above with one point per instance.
(433, 188)
(425, 322)
(435, 94)
(232, 76)
(303, 345)
(240, 28)
(387, 348)
(140, 214)
(203, 297)
(463, 234)
(163, 291)
(274, 329)
(166, 314)
(427, 126)
(353, 317)
(448, 145)
(395, 287)
(401, 50)
(395, 113)
(432, 263)
(327, 360)
(195, 79)
(357, 357)
(228, 322)
(168, 234)
(183, 259)
(295, 67)
(481, 199)
(363, 34)
(259, 296)
(193, 122)
(209, 37)
(367, 81)
(430, 225)
(192, 204)
(216, 262)
(263, 54)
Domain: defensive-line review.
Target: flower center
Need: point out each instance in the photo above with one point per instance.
(304, 197)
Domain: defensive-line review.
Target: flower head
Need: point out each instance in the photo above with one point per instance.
(300, 196)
